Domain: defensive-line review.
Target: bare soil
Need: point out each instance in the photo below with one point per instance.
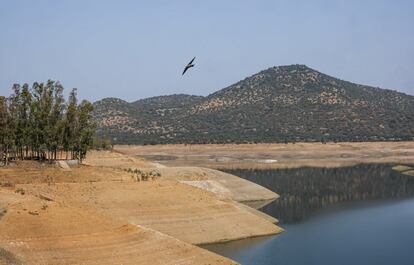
(181, 211)
(98, 213)
(274, 155)
(36, 232)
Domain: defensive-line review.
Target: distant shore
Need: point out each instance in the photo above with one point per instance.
(274, 156)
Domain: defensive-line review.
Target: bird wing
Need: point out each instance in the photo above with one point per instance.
(185, 69)
(192, 61)
(188, 66)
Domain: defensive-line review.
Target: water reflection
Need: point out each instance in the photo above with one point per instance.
(305, 190)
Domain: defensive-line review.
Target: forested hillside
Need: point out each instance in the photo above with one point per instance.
(280, 104)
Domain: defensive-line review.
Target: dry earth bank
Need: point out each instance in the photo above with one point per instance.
(99, 214)
(36, 231)
(270, 156)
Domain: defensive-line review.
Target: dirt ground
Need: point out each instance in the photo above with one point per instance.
(222, 184)
(274, 155)
(181, 211)
(117, 160)
(98, 213)
(36, 231)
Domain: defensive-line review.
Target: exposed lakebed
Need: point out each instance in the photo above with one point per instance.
(362, 214)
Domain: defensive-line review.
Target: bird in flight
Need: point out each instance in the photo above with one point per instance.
(188, 66)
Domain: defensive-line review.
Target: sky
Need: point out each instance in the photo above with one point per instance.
(137, 49)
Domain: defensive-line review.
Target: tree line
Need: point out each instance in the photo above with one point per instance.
(37, 123)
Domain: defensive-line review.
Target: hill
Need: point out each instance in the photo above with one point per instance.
(280, 104)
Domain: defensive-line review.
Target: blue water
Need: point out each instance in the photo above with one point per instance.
(370, 230)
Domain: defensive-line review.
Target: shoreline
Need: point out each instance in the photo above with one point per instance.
(195, 205)
(106, 195)
(274, 156)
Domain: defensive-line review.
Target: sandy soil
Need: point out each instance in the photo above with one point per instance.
(406, 170)
(274, 155)
(99, 214)
(184, 212)
(116, 160)
(32, 172)
(223, 184)
(35, 231)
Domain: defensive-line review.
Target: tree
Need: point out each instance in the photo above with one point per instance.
(7, 132)
(70, 123)
(85, 130)
(15, 131)
(3, 129)
(55, 121)
(25, 105)
(36, 123)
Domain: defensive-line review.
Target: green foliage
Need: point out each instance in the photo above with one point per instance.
(85, 129)
(37, 123)
(102, 143)
(281, 104)
(142, 175)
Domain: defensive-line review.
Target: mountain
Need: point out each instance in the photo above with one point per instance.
(124, 121)
(280, 104)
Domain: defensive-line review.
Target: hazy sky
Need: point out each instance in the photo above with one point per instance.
(132, 49)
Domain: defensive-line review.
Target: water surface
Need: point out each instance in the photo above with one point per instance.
(354, 215)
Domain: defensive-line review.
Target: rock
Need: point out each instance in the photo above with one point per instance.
(44, 197)
(409, 173)
(2, 212)
(402, 168)
(63, 165)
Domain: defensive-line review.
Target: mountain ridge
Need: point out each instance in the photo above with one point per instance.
(278, 104)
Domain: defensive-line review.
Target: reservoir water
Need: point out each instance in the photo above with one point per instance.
(362, 214)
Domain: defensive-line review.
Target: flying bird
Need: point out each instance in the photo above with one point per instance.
(188, 66)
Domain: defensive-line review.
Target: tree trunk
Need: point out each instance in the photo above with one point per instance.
(6, 156)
